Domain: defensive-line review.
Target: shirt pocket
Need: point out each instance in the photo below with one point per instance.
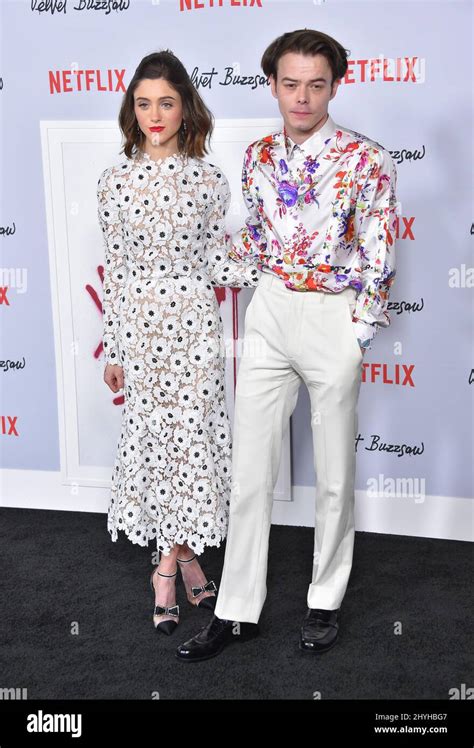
(248, 322)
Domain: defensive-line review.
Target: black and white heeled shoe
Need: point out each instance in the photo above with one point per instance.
(164, 627)
(193, 593)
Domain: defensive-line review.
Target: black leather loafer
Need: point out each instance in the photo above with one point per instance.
(214, 637)
(319, 631)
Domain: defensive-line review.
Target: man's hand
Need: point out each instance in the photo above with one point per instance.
(113, 377)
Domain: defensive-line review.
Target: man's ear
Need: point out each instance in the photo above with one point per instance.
(335, 86)
(272, 80)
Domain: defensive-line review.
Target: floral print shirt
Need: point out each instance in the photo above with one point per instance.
(323, 217)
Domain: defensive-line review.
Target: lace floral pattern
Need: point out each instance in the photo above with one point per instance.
(164, 237)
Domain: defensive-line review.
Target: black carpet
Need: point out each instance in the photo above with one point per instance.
(60, 570)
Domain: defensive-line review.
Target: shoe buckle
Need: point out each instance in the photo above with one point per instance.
(171, 611)
(208, 587)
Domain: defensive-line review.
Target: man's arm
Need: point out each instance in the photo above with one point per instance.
(375, 223)
(249, 241)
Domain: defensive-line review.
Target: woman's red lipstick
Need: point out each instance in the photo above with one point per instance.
(156, 129)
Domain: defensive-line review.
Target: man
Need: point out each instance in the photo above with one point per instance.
(322, 217)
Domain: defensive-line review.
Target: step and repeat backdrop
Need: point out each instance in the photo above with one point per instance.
(65, 66)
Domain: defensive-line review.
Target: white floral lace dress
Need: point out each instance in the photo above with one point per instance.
(164, 232)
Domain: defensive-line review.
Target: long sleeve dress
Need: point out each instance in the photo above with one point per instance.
(163, 225)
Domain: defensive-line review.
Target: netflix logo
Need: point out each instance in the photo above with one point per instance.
(386, 69)
(200, 4)
(398, 374)
(8, 426)
(405, 231)
(76, 80)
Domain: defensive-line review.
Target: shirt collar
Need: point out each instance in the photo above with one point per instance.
(312, 145)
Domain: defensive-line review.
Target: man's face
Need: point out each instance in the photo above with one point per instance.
(303, 90)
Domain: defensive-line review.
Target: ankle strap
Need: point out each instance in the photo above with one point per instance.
(166, 575)
(186, 561)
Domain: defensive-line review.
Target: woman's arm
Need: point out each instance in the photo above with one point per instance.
(115, 268)
(224, 270)
(249, 242)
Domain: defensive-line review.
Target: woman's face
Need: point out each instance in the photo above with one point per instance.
(159, 112)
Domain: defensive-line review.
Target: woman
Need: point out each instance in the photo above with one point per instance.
(162, 215)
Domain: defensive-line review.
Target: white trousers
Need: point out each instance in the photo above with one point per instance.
(292, 336)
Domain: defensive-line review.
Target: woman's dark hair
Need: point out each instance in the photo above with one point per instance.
(199, 120)
(306, 42)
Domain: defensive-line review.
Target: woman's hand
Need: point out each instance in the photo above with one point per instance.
(113, 377)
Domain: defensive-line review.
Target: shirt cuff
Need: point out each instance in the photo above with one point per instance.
(365, 333)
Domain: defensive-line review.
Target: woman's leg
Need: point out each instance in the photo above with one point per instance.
(193, 575)
(165, 586)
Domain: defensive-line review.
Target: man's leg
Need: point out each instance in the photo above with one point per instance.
(266, 395)
(334, 391)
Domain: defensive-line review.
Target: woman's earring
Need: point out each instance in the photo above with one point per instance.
(185, 127)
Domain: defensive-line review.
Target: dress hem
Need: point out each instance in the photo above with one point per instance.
(145, 541)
